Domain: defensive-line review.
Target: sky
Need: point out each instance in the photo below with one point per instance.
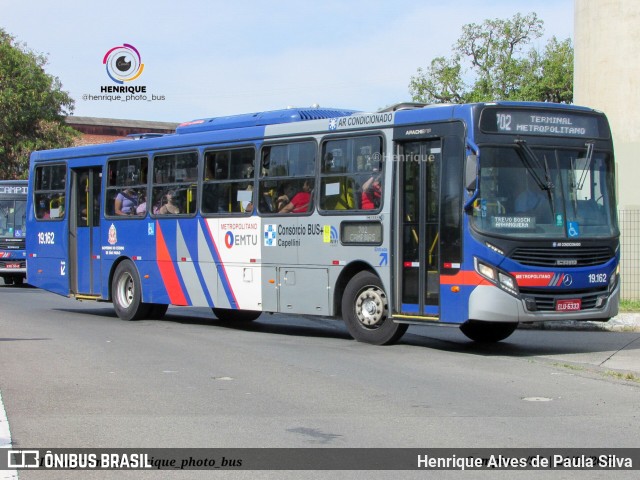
(212, 58)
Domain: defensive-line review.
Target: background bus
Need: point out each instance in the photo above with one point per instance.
(479, 215)
(13, 220)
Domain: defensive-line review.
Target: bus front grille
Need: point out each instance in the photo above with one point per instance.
(562, 257)
(545, 300)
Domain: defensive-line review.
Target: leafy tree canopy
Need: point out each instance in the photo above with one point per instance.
(32, 108)
(495, 61)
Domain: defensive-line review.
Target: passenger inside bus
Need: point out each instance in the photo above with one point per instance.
(169, 207)
(371, 192)
(126, 202)
(141, 209)
(284, 196)
(301, 201)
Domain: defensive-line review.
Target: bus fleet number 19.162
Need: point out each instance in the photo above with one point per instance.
(46, 238)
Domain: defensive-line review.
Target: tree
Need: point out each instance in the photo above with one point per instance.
(489, 63)
(32, 108)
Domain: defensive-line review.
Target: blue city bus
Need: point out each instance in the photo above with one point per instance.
(13, 223)
(481, 215)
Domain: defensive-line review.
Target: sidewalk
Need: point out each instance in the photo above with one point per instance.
(622, 360)
(623, 322)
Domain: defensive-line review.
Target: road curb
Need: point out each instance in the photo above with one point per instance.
(623, 322)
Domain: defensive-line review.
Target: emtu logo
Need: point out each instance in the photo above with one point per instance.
(123, 63)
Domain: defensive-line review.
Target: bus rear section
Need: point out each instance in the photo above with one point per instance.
(13, 209)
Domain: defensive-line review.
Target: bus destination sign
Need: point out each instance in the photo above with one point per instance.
(13, 189)
(540, 122)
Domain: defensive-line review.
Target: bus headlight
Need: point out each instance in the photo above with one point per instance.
(486, 271)
(498, 277)
(507, 281)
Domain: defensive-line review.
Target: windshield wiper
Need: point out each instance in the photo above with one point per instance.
(531, 162)
(587, 165)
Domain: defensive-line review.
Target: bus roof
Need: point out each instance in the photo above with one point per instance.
(252, 126)
(272, 117)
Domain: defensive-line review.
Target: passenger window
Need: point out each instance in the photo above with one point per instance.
(127, 187)
(227, 185)
(351, 176)
(49, 192)
(174, 184)
(287, 178)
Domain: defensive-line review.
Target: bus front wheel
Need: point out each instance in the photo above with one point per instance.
(365, 311)
(487, 332)
(126, 291)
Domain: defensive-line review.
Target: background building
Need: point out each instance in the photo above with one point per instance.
(606, 77)
(104, 130)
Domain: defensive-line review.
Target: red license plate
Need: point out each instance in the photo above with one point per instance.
(568, 305)
(13, 265)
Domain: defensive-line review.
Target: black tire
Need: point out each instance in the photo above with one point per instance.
(126, 292)
(487, 332)
(157, 311)
(365, 311)
(18, 280)
(230, 315)
(8, 280)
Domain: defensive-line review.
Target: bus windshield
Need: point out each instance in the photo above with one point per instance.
(541, 192)
(12, 218)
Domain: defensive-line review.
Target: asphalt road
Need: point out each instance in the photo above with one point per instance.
(73, 375)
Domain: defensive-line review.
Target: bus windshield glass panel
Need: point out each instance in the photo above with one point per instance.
(545, 192)
(13, 214)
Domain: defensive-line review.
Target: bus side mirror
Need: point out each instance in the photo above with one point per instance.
(471, 172)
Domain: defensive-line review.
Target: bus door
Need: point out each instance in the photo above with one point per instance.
(84, 231)
(419, 231)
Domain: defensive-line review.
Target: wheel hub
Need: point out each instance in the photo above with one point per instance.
(371, 307)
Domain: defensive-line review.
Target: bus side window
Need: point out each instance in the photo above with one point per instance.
(43, 208)
(351, 177)
(49, 191)
(287, 178)
(227, 186)
(126, 186)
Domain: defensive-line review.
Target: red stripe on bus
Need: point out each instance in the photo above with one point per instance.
(167, 270)
(468, 278)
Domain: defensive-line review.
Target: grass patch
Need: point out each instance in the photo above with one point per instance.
(630, 305)
(627, 376)
(568, 366)
(630, 377)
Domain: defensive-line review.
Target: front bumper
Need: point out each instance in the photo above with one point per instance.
(491, 304)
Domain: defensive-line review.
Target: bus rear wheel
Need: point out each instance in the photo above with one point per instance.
(230, 315)
(365, 311)
(126, 291)
(487, 332)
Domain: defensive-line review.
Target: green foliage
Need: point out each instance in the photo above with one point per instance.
(629, 305)
(32, 108)
(490, 61)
